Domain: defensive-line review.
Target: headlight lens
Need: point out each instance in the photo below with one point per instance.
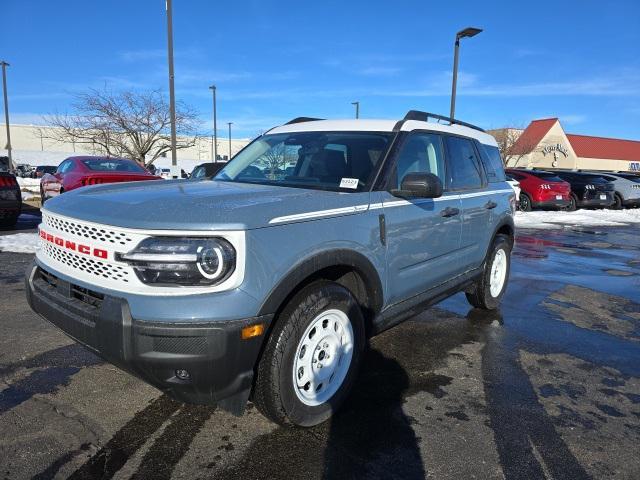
(182, 261)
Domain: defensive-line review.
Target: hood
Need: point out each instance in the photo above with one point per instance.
(199, 205)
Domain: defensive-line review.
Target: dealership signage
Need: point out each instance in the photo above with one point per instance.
(555, 148)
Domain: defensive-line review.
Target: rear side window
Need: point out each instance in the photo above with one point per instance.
(464, 167)
(492, 162)
(65, 166)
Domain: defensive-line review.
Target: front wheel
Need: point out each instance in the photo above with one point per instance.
(489, 289)
(312, 356)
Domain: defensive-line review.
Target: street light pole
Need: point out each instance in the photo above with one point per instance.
(214, 147)
(467, 32)
(357, 104)
(229, 123)
(6, 110)
(172, 97)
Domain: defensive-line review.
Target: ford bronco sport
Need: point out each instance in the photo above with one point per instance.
(264, 282)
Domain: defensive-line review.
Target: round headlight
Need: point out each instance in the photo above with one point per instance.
(210, 261)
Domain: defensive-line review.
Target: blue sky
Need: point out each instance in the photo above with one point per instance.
(272, 61)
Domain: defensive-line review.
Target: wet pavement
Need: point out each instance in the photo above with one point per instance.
(549, 387)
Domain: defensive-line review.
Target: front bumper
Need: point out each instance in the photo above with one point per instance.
(219, 362)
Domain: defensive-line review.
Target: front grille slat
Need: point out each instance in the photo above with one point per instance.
(85, 295)
(88, 265)
(90, 232)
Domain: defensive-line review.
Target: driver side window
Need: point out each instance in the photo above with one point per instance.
(421, 153)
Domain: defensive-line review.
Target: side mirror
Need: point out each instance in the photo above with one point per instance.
(422, 185)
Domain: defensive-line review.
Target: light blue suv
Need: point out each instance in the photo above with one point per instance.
(265, 281)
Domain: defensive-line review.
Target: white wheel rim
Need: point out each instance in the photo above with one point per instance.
(323, 357)
(498, 273)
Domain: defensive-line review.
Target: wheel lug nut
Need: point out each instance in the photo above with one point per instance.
(319, 365)
(314, 360)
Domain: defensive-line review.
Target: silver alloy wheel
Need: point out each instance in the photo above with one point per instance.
(498, 273)
(323, 357)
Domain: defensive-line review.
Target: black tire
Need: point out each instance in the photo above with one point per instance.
(573, 203)
(525, 203)
(274, 391)
(617, 205)
(480, 296)
(8, 223)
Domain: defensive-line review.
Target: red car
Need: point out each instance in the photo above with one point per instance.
(541, 189)
(76, 172)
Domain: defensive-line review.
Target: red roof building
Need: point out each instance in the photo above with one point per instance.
(544, 144)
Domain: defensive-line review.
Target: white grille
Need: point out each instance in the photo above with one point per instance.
(72, 248)
(87, 231)
(88, 265)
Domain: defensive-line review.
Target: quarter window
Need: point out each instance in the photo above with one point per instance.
(463, 164)
(492, 162)
(421, 153)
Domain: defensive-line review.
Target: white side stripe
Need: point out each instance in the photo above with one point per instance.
(373, 206)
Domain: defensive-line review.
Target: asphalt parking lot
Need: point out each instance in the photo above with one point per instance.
(548, 387)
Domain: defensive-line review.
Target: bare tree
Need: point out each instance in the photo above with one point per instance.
(274, 159)
(128, 124)
(513, 147)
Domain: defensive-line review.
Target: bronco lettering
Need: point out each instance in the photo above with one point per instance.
(73, 246)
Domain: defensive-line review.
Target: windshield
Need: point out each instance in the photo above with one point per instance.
(338, 161)
(112, 165)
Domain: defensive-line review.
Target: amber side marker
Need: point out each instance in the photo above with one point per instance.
(252, 331)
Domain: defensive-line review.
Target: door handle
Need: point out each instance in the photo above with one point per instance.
(490, 204)
(449, 212)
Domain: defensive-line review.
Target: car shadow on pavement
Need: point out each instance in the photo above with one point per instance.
(370, 437)
(525, 435)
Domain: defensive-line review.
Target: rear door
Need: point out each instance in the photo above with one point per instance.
(466, 178)
(422, 235)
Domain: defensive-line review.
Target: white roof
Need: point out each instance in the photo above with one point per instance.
(366, 125)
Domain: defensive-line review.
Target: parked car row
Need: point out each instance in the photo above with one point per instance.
(569, 190)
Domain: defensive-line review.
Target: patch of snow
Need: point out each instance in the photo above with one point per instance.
(548, 220)
(19, 242)
(28, 182)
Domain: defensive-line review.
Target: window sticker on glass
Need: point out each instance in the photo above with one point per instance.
(349, 183)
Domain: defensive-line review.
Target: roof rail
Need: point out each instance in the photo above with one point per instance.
(425, 116)
(302, 120)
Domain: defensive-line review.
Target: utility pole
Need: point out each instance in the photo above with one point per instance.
(357, 105)
(6, 111)
(229, 123)
(172, 97)
(214, 146)
(467, 32)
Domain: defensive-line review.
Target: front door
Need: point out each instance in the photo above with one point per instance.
(422, 235)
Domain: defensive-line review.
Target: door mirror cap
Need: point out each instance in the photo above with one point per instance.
(421, 185)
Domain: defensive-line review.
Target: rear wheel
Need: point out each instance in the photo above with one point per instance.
(312, 356)
(525, 203)
(617, 205)
(489, 289)
(573, 203)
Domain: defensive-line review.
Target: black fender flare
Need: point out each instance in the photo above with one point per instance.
(311, 265)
